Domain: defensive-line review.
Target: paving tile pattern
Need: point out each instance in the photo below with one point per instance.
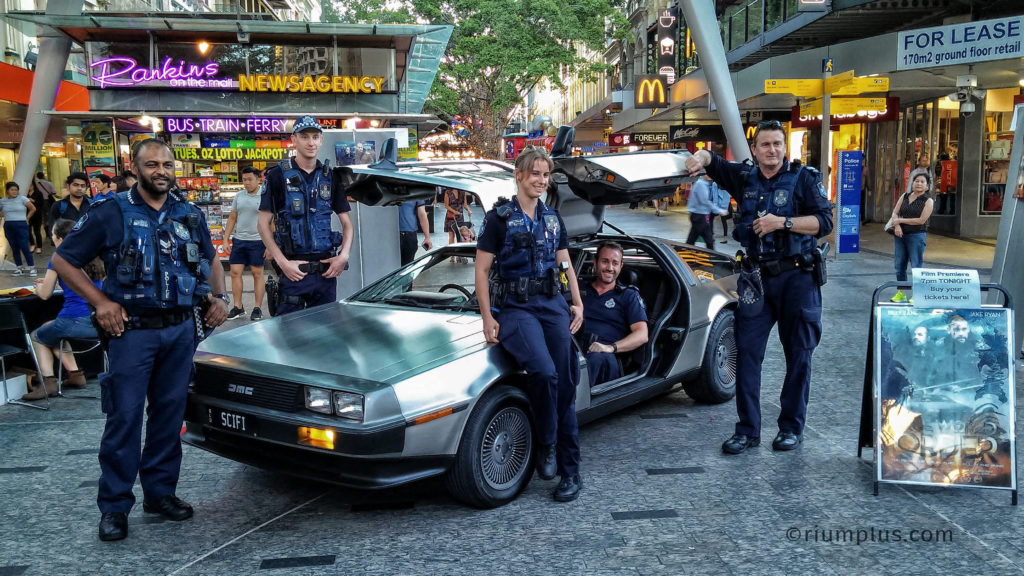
(659, 498)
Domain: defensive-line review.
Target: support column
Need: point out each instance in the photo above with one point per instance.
(700, 18)
(53, 58)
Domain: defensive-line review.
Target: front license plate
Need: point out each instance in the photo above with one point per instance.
(227, 420)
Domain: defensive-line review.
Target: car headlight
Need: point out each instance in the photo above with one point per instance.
(349, 405)
(318, 400)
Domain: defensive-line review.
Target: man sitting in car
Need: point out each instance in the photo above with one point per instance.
(614, 316)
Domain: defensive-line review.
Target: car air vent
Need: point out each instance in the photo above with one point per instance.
(248, 389)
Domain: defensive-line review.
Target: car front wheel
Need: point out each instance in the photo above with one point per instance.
(494, 461)
(716, 382)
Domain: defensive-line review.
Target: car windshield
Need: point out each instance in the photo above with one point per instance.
(441, 280)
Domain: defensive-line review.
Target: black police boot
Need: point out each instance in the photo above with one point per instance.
(170, 507)
(786, 441)
(740, 442)
(568, 489)
(113, 526)
(546, 462)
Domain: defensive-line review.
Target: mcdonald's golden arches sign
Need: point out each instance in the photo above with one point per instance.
(651, 92)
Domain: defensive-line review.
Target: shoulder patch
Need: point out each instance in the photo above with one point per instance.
(81, 220)
(821, 190)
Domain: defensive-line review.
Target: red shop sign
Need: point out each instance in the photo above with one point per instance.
(891, 114)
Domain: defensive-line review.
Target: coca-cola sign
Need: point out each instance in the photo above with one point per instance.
(696, 133)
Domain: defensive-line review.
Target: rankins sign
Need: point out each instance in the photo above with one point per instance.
(650, 92)
(125, 72)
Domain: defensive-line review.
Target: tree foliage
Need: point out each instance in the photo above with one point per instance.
(498, 51)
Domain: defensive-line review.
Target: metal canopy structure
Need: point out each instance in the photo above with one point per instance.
(418, 48)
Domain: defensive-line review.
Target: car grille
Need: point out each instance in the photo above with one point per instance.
(248, 389)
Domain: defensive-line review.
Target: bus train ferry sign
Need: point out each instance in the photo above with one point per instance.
(965, 43)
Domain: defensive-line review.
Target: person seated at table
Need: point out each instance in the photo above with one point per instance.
(72, 321)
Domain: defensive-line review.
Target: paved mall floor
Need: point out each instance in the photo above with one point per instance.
(659, 497)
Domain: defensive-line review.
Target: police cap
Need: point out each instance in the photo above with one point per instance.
(306, 123)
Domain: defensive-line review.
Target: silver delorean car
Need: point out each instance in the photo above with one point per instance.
(396, 383)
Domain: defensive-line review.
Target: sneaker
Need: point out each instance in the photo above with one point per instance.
(32, 272)
(899, 297)
(257, 314)
(17, 272)
(235, 312)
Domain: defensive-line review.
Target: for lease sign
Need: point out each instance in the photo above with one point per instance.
(961, 43)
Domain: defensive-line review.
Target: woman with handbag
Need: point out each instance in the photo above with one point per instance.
(909, 227)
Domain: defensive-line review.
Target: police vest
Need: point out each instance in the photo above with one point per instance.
(770, 197)
(304, 221)
(158, 266)
(529, 248)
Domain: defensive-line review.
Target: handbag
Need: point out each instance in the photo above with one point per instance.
(888, 226)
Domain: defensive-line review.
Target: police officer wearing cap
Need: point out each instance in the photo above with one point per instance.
(782, 210)
(525, 242)
(160, 264)
(299, 198)
(615, 317)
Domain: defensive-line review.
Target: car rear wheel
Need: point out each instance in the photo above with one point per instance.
(716, 382)
(495, 457)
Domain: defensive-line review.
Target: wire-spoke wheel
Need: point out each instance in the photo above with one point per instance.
(716, 382)
(495, 458)
(507, 444)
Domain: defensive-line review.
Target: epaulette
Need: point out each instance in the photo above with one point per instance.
(620, 288)
(503, 207)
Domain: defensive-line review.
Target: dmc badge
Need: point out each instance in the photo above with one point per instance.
(609, 303)
(180, 231)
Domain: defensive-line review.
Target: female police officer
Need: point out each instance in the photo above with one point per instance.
(526, 240)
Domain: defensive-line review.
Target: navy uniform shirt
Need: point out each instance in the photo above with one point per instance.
(808, 195)
(492, 232)
(610, 315)
(100, 231)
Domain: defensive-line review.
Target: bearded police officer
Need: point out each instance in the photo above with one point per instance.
(299, 197)
(160, 264)
(525, 240)
(782, 209)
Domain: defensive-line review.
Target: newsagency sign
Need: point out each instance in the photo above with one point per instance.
(650, 92)
(964, 43)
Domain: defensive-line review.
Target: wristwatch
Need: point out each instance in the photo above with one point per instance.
(615, 348)
(789, 223)
(224, 297)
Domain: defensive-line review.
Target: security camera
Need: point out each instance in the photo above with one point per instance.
(243, 37)
(967, 108)
(967, 81)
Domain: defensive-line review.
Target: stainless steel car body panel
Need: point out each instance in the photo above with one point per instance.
(487, 179)
(629, 177)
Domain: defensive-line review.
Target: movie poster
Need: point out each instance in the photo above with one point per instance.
(344, 153)
(944, 398)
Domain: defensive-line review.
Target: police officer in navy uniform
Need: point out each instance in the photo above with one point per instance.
(299, 197)
(525, 241)
(614, 316)
(782, 210)
(160, 264)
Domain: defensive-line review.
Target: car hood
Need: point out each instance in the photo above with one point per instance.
(354, 340)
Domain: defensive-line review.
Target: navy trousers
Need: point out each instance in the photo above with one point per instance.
(153, 365)
(536, 333)
(313, 290)
(602, 367)
(794, 301)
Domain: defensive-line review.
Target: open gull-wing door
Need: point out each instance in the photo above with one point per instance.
(380, 184)
(609, 179)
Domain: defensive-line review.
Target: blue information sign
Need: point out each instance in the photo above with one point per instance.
(848, 179)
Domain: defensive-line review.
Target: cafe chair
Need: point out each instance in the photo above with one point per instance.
(14, 340)
(77, 346)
